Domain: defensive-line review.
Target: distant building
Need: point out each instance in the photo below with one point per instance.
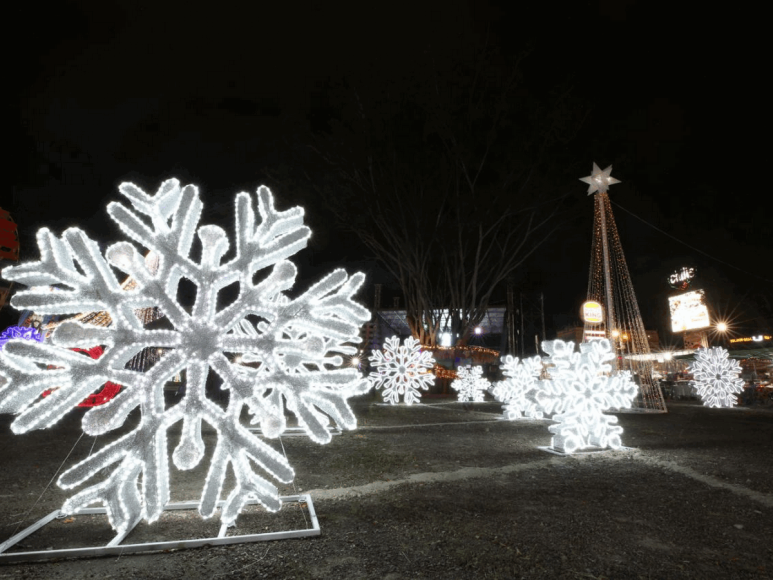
(570, 333)
(574, 333)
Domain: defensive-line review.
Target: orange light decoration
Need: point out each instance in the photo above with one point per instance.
(9, 237)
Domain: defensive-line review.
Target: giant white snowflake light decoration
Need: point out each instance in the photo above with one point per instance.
(519, 391)
(579, 390)
(295, 347)
(470, 384)
(716, 377)
(402, 370)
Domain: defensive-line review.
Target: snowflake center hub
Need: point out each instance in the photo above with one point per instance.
(402, 369)
(204, 339)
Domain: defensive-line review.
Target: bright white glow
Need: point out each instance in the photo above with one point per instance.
(599, 180)
(519, 391)
(722, 326)
(615, 333)
(297, 346)
(716, 377)
(688, 311)
(478, 330)
(445, 339)
(579, 390)
(402, 370)
(592, 312)
(470, 384)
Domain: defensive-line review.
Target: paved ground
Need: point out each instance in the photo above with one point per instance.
(437, 491)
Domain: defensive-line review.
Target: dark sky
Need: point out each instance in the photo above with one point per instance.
(107, 92)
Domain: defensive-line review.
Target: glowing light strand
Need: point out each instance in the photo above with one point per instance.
(296, 348)
(716, 377)
(579, 389)
(402, 370)
(519, 390)
(609, 283)
(470, 384)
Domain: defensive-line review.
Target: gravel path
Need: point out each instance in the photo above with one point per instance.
(444, 491)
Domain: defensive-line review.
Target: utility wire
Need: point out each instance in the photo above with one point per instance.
(654, 227)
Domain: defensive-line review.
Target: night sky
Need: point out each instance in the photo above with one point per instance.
(222, 97)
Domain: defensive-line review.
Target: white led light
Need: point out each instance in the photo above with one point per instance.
(470, 384)
(297, 349)
(716, 377)
(519, 391)
(402, 370)
(579, 390)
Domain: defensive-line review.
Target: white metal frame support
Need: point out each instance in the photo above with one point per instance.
(296, 431)
(584, 451)
(114, 547)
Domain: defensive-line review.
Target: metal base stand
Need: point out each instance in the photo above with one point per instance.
(296, 431)
(636, 410)
(114, 547)
(584, 451)
(522, 419)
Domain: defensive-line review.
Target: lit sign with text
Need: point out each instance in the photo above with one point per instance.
(681, 278)
(592, 312)
(756, 338)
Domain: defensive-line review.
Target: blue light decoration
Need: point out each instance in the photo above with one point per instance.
(25, 332)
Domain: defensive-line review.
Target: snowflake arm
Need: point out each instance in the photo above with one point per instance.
(57, 266)
(78, 377)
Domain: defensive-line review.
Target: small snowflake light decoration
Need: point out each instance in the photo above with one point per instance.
(470, 384)
(716, 377)
(579, 390)
(295, 348)
(402, 370)
(519, 391)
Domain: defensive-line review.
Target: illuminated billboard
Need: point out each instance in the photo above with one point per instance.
(688, 311)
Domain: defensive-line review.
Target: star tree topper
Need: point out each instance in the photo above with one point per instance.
(599, 180)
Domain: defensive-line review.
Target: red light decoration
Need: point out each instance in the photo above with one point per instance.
(9, 237)
(109, 391)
